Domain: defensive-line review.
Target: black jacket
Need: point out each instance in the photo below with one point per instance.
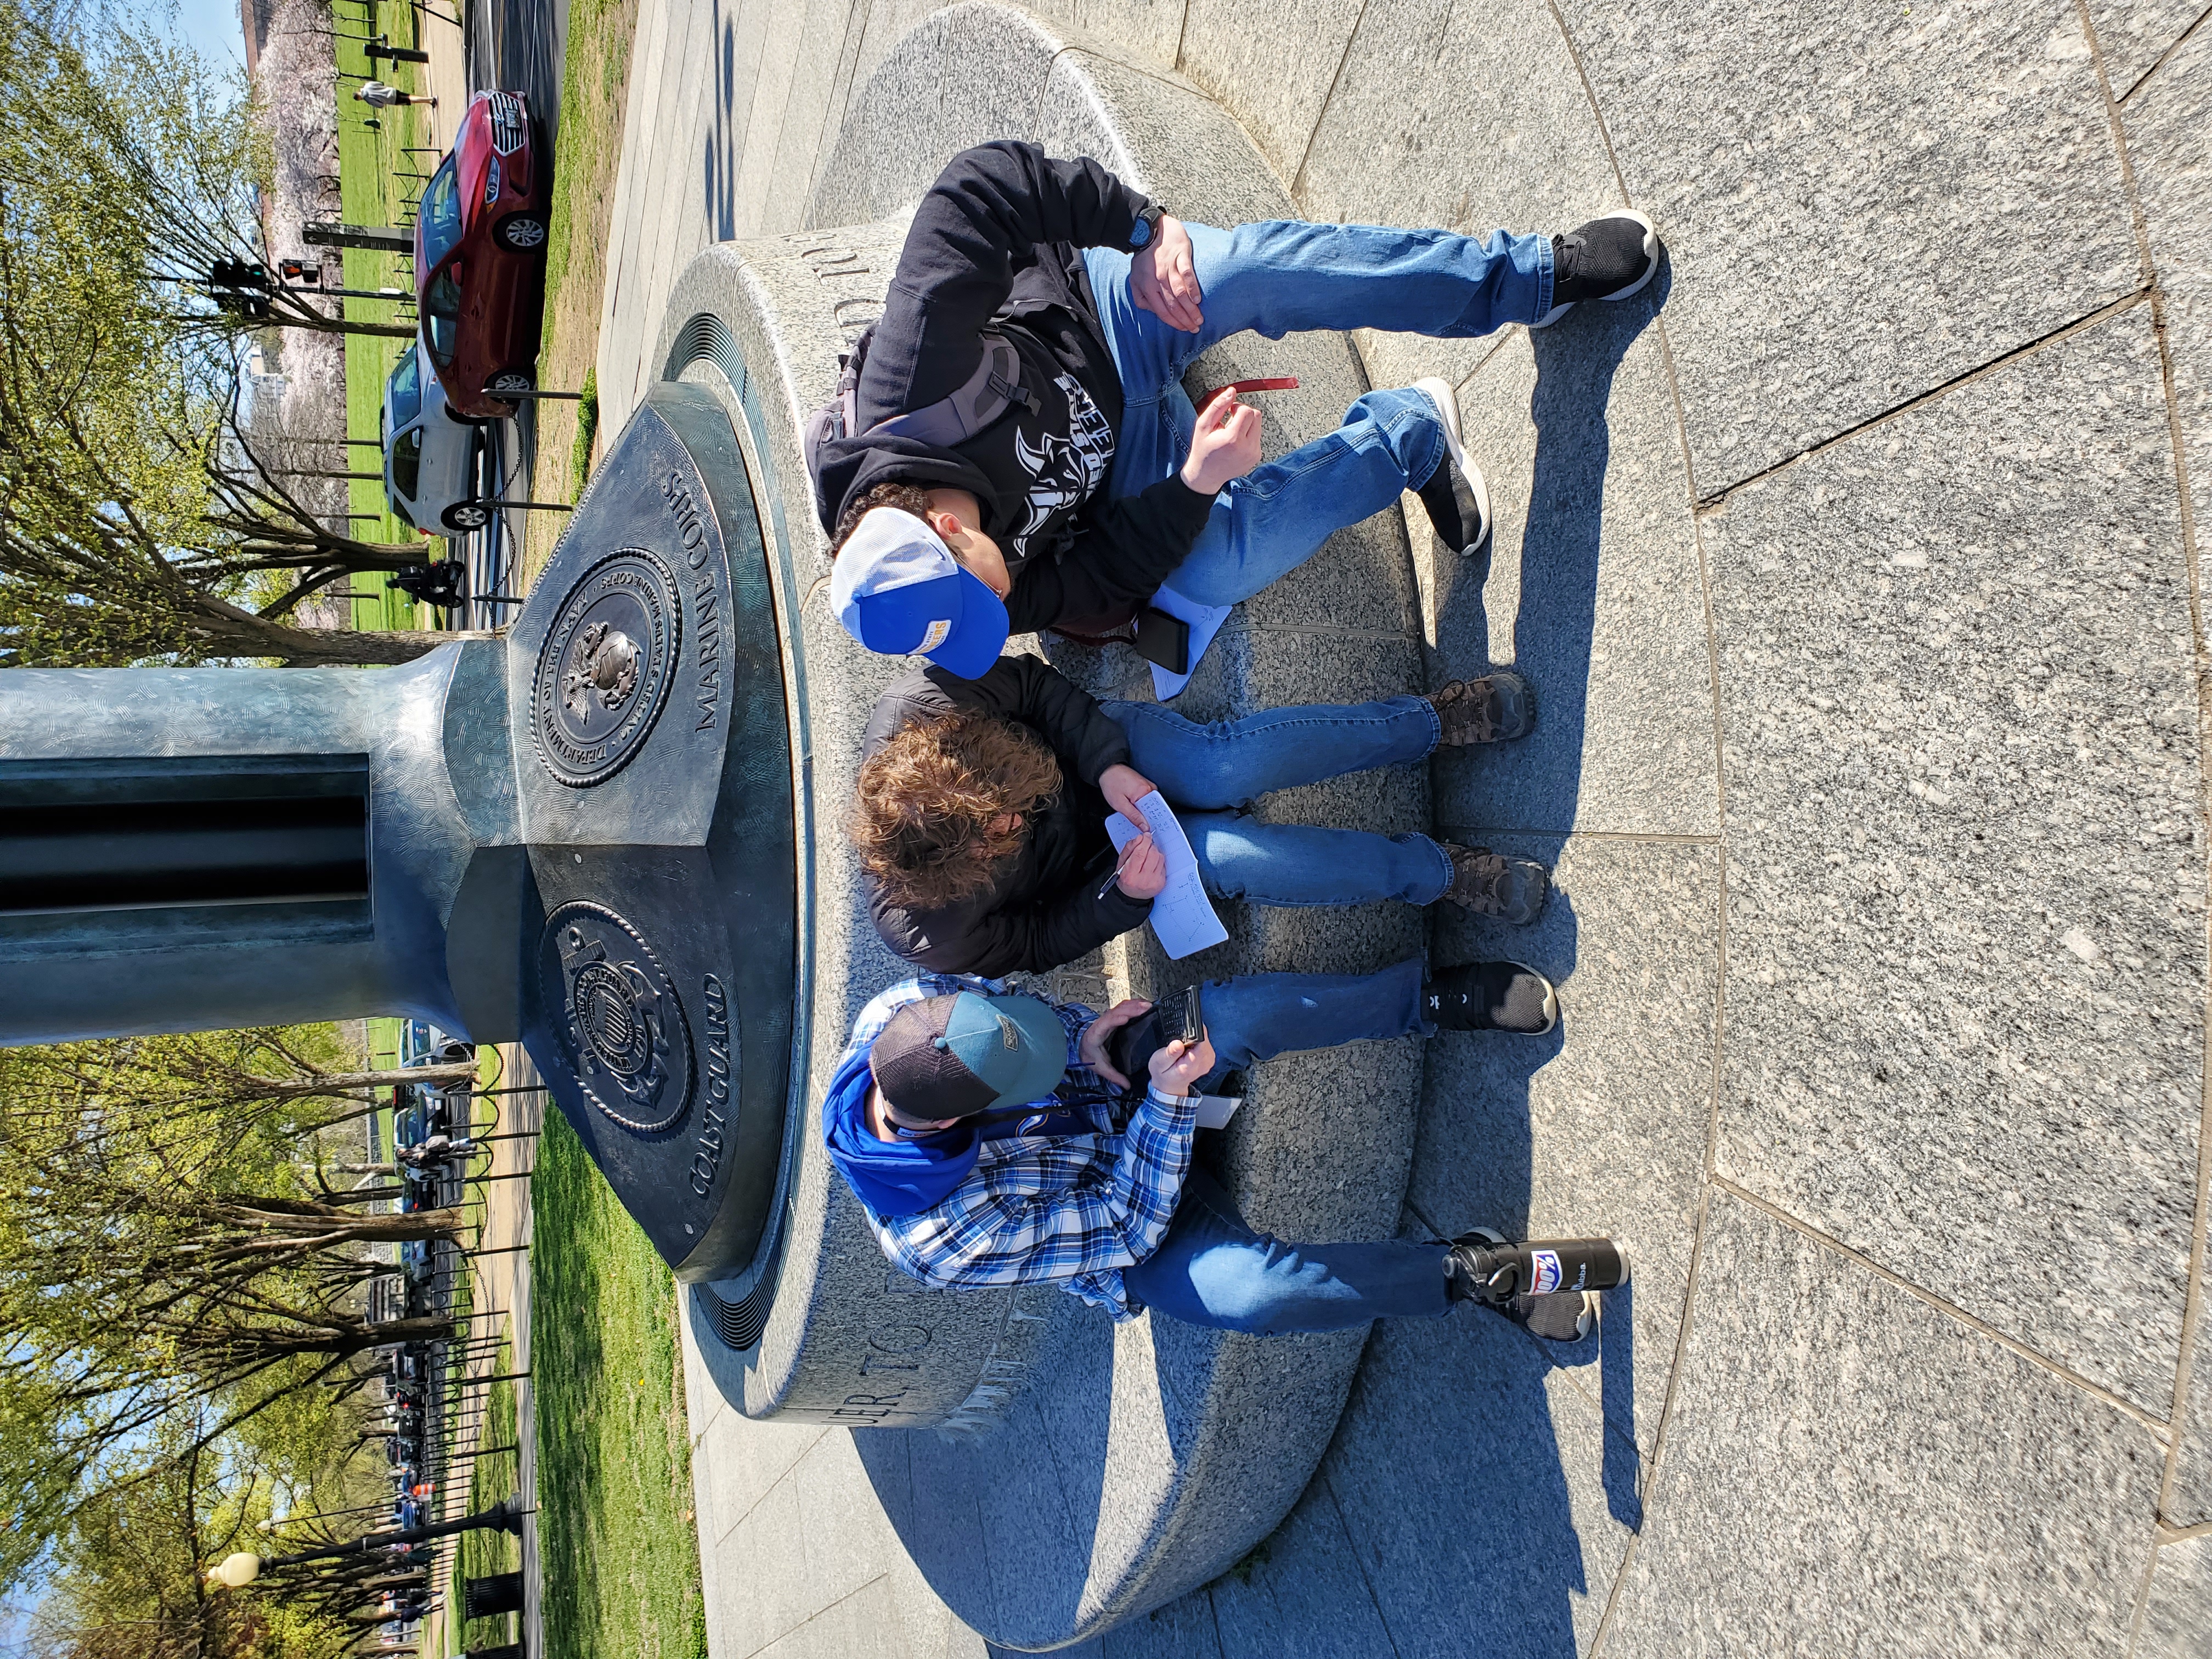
(997, 243)
(1045, 908)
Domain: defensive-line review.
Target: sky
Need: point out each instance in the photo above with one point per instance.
(212, 28)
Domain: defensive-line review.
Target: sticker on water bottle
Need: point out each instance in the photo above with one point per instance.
(1544, 1272)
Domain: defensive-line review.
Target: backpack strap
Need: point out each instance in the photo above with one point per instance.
(993, 388)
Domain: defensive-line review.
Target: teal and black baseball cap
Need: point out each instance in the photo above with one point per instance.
(954, 1056)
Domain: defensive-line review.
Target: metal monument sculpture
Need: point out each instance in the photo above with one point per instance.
(580, 836)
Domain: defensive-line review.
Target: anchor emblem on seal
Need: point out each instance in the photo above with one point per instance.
(622, 1029)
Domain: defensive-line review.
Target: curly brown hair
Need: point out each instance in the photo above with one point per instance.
(906, 497)
(930, 801)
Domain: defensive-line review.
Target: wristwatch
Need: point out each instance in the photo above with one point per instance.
(1148, 222)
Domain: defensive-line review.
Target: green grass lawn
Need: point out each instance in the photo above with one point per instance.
(372, 194)
(586, 157)
(495, 1475)
(615, 1527)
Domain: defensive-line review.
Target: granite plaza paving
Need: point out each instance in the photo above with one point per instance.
(1856, 571)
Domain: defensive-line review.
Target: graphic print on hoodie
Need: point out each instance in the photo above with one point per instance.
(1064, 472)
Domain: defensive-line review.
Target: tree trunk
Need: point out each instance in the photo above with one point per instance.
(339, 1226)
(226, 630)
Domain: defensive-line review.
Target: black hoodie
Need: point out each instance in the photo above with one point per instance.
(1045, 910)
(997, 244)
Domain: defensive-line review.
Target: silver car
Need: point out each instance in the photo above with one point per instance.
(429, 451)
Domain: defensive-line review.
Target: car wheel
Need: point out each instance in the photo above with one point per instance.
(510, 379)
(466, 515)
(520, 233)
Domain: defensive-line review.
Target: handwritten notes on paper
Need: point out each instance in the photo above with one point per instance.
(1182, 916)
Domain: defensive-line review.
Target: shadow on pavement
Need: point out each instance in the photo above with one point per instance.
(1463, 1465)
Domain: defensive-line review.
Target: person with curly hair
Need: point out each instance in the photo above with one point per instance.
(981, 806)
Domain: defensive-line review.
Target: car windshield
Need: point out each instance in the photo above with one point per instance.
(404, 391)
(441, 311)
(441, 211)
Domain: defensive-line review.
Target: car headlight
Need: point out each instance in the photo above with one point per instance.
(491, 183)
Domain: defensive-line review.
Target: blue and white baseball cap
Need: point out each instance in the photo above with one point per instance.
(897, 589)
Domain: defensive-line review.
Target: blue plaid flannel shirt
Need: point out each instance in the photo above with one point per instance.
(1068, 1209)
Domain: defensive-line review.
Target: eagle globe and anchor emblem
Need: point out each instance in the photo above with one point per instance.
(605, 668)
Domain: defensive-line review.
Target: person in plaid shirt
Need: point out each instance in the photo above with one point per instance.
(993, 1140)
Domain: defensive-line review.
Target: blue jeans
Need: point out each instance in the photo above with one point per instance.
(1212, 1269)
(1226, 764)
(1275, 278)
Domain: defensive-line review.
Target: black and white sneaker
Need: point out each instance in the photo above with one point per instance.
(1607, 258)
(1457, 499)
(1490, 996)
(1562, 1317)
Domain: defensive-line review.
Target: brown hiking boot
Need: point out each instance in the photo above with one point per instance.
(1495, 708)
(1505, 889)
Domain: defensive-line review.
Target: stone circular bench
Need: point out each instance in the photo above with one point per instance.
(1118, 1466)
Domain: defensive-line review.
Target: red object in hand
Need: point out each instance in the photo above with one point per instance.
(1286, 383)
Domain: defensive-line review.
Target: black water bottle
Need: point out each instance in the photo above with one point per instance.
(1545, 1267)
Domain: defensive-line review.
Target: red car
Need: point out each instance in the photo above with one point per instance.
(480, 256)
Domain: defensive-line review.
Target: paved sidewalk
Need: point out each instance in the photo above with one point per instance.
(1857, 571)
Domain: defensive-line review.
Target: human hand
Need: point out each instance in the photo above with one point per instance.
(1123, 788)
(1162, 280)
(1225, 444)
(1091, 1050)
(1144, 868)
(1178, 1067)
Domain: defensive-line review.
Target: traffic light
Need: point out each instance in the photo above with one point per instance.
(240, 287)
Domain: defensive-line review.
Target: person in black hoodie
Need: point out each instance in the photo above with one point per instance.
(982, 808)
(1088, 482)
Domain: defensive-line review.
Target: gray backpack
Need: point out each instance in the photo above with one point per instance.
(990, 392)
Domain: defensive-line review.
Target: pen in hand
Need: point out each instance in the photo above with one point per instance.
(1120, 864)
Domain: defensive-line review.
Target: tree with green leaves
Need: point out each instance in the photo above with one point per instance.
(153, 149)
(172, 1254)
(127, 1575)
(144, 516)
(138, 514)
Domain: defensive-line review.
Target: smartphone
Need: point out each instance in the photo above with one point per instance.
(1164, 639)
(1193, 1024)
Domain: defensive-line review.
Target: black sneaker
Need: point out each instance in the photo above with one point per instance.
(1495, 708)
(1607, 258)
(1457, 499)
(1562, 1316)
(1505, 889)
(1490, 996)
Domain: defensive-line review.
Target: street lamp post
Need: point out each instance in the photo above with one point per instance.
(236, 1572)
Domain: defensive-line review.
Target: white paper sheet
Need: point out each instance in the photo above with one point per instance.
(1214, 1111)
(1182, 916)
(1205, 622)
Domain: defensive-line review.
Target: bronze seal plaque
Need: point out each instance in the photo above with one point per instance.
(604, 669)
(620, 1021)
